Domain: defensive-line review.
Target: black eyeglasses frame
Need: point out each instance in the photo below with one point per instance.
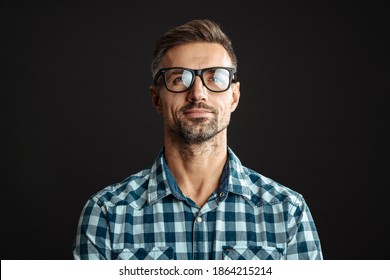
(197, 72)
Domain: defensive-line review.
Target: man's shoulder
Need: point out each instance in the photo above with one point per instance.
(130, 191)
(258, 188)
(265, 190)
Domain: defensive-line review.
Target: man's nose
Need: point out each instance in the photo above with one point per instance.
(198, 91)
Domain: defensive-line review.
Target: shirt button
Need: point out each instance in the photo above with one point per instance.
(199, 219)
(221, 194)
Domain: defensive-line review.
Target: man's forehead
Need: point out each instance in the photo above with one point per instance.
(196, 55)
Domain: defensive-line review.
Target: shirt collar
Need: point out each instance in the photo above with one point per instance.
(234, 179)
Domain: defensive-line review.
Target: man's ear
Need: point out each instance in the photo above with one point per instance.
(236, 96)
(156, 101)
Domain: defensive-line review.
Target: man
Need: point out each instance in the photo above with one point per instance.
(196, 201)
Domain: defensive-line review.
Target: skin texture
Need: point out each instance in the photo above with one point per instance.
(196, 121)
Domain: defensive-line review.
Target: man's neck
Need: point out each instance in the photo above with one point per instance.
(197, 168)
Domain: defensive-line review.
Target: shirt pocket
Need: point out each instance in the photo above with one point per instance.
(155, 253)
(240, 252)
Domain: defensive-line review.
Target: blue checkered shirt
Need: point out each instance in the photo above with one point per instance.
(146, 216)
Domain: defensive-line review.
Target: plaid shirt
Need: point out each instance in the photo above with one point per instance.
(146, 216)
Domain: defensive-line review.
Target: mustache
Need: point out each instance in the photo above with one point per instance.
(197, 106)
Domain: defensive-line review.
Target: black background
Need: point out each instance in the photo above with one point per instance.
(77, 113)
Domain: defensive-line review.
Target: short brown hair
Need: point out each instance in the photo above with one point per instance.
(198, 30)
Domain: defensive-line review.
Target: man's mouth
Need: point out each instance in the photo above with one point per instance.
(197, 112)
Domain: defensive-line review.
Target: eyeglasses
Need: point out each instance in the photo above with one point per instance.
(179, 79)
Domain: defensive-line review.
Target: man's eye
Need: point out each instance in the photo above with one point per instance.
(184, 79)
(178, 80)
(218, 79)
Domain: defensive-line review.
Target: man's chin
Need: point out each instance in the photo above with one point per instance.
(197, 139)
(199, 120)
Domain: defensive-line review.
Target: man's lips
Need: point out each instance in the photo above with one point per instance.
(197, 112)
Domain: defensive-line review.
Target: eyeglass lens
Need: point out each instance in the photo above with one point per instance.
(215, 79)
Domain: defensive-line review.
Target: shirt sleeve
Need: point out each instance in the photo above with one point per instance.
(304, 243)
(92, 239)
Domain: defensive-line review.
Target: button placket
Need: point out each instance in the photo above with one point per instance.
(198, 238)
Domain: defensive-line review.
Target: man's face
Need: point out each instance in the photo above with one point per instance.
(197, 114)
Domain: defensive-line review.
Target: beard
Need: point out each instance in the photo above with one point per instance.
(197, 130)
